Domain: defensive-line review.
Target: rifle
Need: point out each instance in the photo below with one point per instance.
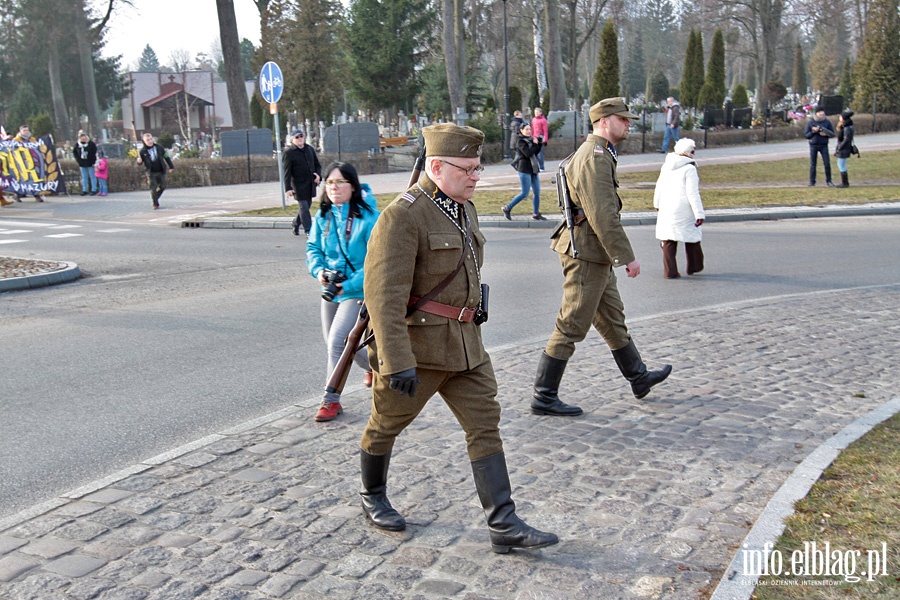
(565, 202)
(352, 345)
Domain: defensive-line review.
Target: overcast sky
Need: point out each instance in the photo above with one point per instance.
(169, 25)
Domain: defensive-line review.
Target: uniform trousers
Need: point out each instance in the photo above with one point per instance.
(694, 258)
(590, 297)
(471, 396)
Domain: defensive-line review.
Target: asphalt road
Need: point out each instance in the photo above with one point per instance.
(174, 334)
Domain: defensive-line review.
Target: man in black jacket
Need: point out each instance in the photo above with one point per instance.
(302, 173)
(155, 158)
(818, 132)
(85, 153)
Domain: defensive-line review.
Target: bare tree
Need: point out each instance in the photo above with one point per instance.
(180, 59)
(454, 52)
(587, 14)
(234, 72)
(762, 21)
(555, 77)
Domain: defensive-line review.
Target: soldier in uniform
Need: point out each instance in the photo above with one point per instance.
(590, 295)
(424, 296)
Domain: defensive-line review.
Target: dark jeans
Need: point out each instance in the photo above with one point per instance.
(694, 258)
(303, 217)
(157, 181)
(814, 151)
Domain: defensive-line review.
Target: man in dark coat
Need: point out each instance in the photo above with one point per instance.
(156, 160)
(302, 173)
(818, 132)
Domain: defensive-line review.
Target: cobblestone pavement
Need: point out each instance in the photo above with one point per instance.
(650, 499)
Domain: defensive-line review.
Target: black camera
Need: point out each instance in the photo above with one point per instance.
(332, 278)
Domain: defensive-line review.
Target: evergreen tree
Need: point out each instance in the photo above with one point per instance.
(707, 98)
(740, 97)
(846, 90)
(316, 69)
(148, 62)
(606, 77)
(825, 61)
(515, 99)
(634, 73)
(386, 43)
(800, 79)
(256, 110)
(715, 72)
(877, 69)
(22, 108)
(657, 86)
(692, 78)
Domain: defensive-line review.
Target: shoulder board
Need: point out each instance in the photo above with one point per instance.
(598, 149)
(408, 197)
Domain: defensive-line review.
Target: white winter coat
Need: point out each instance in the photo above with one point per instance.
(677, 197)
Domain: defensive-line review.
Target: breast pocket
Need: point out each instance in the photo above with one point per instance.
(446, 248)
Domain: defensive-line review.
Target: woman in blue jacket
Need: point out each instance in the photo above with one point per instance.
(335, 255)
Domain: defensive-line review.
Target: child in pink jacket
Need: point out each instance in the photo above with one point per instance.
(101, 170)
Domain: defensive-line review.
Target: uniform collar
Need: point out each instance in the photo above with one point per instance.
(448, 205)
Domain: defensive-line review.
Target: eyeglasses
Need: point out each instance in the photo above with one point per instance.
(336, 182)
(469, 171)
(299, 135)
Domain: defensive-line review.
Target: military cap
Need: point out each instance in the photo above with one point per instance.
(611, 106)
(447, 139)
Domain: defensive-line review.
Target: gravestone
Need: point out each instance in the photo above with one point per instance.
(351, 138)
(240, 142)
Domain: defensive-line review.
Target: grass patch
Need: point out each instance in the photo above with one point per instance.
(776, 183)
(855, 505)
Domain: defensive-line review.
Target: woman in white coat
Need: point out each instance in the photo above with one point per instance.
(677, 198)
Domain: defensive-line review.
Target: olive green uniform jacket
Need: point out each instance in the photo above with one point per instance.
(593, 186)
(413, 247)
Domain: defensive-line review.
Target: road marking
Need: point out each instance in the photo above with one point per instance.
(11, 241)
(65, 227)
(112, 230)
(65, 235)
(24, 224)
(12, 231)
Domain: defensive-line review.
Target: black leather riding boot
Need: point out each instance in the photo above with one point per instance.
(546, 389)
(507, 529)
(633, 368)
(374, 499)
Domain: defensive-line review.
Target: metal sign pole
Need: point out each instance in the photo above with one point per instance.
(273, 108)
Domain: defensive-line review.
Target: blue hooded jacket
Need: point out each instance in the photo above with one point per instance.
(328, 247)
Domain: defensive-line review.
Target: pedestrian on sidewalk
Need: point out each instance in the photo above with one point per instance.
(335, 255)
(844, 145)
(426, 303)
(156, 160)
(24, 136)
(86, 156)
(526, 163)
(101, 170)
(302, 173)
(673, 122)
(677, 198)
(590, 292)
(540, 130)
(818, 132)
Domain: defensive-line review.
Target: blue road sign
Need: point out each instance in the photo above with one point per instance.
(271, 83)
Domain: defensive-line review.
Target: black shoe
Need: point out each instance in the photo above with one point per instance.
(84, 193)
(295, 226)
(506, 213)
(375, 503)
(538, 217)
(660, 151)
(633, 368)
(507, 529)
(93, 193)
(545, 399)
(829, 183)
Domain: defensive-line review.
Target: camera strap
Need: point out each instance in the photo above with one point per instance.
(347, 228)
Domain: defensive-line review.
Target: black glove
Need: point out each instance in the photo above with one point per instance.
(405, 382)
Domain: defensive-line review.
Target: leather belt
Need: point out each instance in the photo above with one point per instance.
(578, 216)
(463, 315)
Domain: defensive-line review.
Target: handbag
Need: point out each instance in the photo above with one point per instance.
(854, 150)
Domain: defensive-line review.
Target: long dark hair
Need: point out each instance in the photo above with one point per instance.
(349, 173)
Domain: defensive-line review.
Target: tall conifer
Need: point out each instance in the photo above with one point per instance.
(606, 77)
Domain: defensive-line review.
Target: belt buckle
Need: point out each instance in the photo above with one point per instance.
(462, 313)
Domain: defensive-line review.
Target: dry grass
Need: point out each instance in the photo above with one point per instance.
(855, 506)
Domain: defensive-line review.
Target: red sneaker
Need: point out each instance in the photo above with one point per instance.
(328, 411)
(367, 378)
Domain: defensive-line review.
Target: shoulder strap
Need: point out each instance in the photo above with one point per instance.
(440, 287)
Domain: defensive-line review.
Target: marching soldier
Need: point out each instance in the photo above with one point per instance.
(426, 303)
(590, 294)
